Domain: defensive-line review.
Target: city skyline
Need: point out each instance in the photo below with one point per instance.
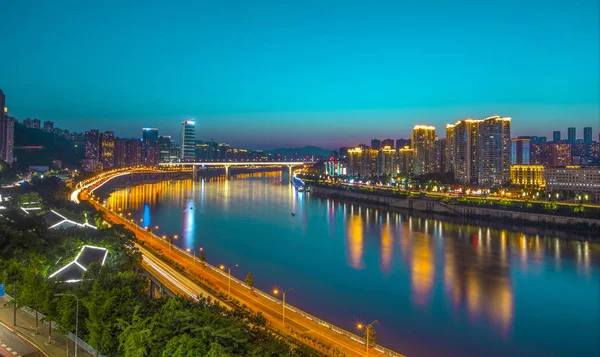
(301, 85)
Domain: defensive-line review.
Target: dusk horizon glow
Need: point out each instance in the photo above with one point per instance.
(287, 75)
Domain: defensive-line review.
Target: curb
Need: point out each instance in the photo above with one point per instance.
(33, 343)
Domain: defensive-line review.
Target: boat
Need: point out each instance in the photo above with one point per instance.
(293, 214)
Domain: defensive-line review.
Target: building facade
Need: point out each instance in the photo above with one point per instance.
(387, 162)
(107, 150)
(579, 180)
(188, 140)
(520, 151)
(531, 176)
(560, 154)
(556, 136)
(406, 157)
(587, 135)
(423, 143)
(571, 135)
(7, 132)
(49, 126)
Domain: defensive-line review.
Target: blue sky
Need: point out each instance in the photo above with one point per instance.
(272, 73)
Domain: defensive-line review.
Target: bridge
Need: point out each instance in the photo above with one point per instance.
(227, 164)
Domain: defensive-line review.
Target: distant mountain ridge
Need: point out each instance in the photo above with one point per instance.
(303, 151)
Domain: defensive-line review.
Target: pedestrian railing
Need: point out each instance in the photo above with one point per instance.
(81, 343)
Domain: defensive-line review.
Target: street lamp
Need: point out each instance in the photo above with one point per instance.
(368, 328)
(229, 270)
(76, 321)
(276, 291)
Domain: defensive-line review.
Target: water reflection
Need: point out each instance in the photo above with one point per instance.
(472, 271)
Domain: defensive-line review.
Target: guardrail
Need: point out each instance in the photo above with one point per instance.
(81, 343)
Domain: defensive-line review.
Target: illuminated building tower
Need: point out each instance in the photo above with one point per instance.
(449, 150)
(571, 135)
(556, 136)
(520, 151)
(440, 155)
(494, 151)
(188, 140)
(463, 154)
(587, 135)
(49, 126)
(560, 154)
(387, 142)
(400, 143)
(423, 142)
(387, 162)
(107, 149)
(406, 157)
(355, 162)
(92, 144)
(7, 132)
(375, 144)
(540, 154)
(120, 153)
(372, 160)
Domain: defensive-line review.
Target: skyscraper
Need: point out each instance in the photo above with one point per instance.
(107, 150)
(560, 155)
(572, 135)
(494, 148)
(188, 140)
(479, 151)
(423, 142)
(400, 143)
(35, 123)
(27, 122)
(165, 148)
(133, 156)
(556, 136)
(7, 127)
(587, 135)
(520, 151)
(120, 153)
(405, 160)
(386, 161)
(92, 144)
(149, 135)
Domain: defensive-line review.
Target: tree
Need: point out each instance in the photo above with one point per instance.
(370, 331)
(250, 280)
(202, 256)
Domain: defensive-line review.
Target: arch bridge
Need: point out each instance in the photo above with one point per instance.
(227, 164)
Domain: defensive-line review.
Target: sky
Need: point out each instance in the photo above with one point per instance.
(282, 73)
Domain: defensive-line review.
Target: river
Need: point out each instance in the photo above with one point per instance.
(436, 288)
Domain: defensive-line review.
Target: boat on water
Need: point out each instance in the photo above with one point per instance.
(299, 184)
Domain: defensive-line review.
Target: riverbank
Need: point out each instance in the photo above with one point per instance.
(532, 223)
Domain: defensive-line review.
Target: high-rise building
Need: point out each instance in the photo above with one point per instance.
(440, 155)
(387, 142)
(120, 153)
(400, 143)
(520, 151)
(587, 135)
(49, 126)
(165, 148)
(556, 136)
(540, 154)
(560, 154)
(133, 156)
(375, 144)
(107, 149)
(534, 139)
(7, 132)
(27, 122)
(149, 135)
(423, 142)
(571, 135)
(92, 144)
(356, 162)
(406, 157)
(188, 140)
(35, 123)
(387, 161)
(479, 151)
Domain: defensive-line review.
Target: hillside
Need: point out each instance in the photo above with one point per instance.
(53, 147)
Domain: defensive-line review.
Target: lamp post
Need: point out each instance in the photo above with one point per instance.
(229, 270)
(76, 322)
(276, 291)
(368, 328)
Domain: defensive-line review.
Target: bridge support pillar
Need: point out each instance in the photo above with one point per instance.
(194, 173)
(290, 167)
(227, 172)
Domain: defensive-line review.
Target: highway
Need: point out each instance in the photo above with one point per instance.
(349, 344)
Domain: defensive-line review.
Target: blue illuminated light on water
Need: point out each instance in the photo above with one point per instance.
(436, 287)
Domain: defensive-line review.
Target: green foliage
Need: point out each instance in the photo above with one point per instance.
(249, 280)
